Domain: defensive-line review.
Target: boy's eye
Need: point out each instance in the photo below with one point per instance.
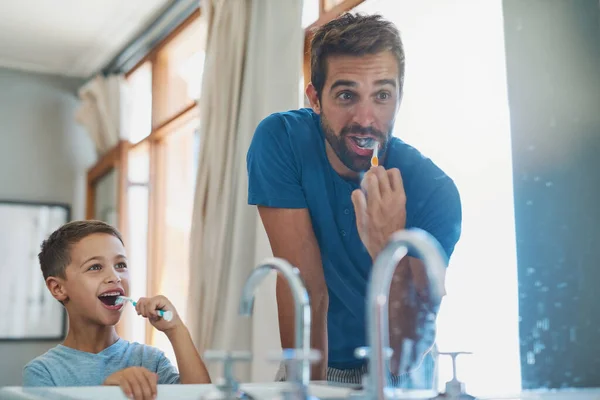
(95, 267)
(121, 265)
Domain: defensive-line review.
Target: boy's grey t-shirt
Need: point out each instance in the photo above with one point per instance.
(64, 366)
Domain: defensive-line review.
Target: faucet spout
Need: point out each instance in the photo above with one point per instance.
(301, 305)
(435, 260)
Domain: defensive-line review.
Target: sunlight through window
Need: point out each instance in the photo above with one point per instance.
(455, 111)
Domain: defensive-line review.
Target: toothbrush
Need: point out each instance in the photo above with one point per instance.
(375, 156)
(167, 315)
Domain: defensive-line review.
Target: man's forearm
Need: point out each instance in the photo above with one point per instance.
(319, 305)
(191, 367)
(412, 312)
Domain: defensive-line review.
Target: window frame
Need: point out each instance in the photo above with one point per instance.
(117, 157)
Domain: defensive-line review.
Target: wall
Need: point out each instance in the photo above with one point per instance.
(44, 156)
(553, 70)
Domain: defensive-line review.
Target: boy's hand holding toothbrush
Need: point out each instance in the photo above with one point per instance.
(160, 312)
(162, 315)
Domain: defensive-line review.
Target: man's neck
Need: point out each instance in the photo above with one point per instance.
(89, 338)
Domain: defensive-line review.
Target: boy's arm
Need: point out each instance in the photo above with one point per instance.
(191, 367)
(36, 375)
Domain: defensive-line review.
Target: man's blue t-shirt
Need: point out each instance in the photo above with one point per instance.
(64, 366)
(288, 168)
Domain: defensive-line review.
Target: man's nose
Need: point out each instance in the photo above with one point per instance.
(364, 115)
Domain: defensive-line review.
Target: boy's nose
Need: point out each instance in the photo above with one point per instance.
(113, 277)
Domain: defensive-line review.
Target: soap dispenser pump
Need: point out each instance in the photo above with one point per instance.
(455, 389)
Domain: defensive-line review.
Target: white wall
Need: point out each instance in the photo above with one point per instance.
(44, 156)
(455, 110)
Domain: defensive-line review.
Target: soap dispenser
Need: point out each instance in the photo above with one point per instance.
(455, 389)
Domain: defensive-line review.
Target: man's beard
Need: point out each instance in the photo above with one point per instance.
(349, 158)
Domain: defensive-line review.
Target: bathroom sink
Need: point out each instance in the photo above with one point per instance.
(259, 391)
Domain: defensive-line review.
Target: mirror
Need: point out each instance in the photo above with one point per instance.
(28, 309)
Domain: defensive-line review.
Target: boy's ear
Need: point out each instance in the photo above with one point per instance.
(57, 288)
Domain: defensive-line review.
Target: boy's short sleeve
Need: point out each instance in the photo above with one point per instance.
(35, 374)
(274, 177)
(167, 373)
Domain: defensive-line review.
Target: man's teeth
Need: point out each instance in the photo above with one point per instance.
(364, 142)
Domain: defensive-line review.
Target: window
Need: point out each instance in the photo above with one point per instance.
(469, 138)
(157, 174)
(310, 12)
(489, 329)
(138, 192)
(140, 90)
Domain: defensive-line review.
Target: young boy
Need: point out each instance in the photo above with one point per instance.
(85, 268)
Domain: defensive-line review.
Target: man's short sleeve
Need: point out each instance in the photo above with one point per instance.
(274, 178)
(443, 219)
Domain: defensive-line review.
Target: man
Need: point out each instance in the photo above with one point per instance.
(328, 213)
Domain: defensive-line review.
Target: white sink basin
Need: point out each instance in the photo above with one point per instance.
(259, 391)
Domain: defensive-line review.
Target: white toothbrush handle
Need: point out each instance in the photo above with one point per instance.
(167, 315)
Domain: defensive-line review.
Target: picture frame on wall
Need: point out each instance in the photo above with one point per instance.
(29, 312)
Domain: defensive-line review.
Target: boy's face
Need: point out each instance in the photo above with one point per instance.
(96, 275)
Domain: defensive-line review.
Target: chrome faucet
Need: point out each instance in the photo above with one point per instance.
(385, 264)
(303, 352)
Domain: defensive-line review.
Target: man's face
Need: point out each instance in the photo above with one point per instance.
(359, 102)
(96, 275)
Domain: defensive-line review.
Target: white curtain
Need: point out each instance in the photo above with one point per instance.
(253, 64)
(103, 110)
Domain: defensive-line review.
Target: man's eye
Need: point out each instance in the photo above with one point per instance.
(383, 96)
(345, 96)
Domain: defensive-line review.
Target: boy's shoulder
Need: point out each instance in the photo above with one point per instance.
(64, 366)
(38, 372)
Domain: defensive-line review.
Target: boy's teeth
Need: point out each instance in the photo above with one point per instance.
(110, 294)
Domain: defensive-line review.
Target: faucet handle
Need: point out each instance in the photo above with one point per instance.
(229, 358)
(286, 356)
(294, 360)
(364, 353)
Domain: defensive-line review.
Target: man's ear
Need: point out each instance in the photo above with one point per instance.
(313, 98)
(57, 288)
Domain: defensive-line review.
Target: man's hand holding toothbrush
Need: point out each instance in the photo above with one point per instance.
(380, 207)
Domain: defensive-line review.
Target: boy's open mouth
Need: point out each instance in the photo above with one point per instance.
(109, 299)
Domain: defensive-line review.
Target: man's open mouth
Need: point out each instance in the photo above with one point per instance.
(363, 142)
